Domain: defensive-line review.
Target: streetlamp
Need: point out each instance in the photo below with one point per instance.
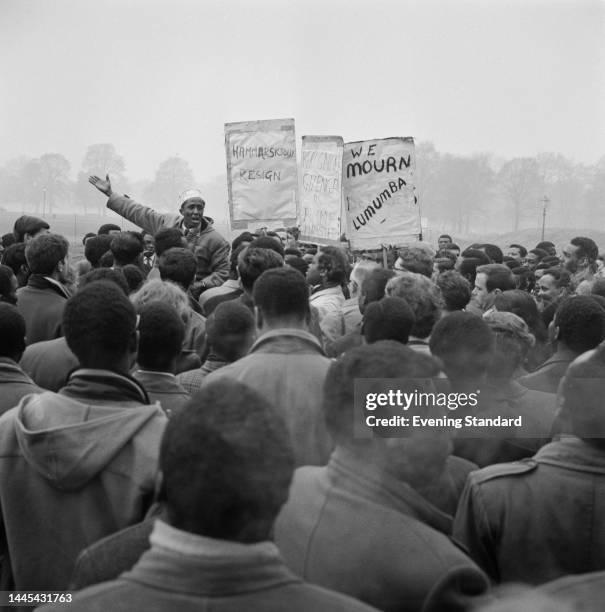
(545, 200)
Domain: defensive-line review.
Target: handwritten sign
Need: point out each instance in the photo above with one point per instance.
(378, 187)
(321, 189)
(262, 174)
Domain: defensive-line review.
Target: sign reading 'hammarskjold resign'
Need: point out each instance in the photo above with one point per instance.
(378, 186)
(262, 173)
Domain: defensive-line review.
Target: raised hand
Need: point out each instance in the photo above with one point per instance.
(104, 186)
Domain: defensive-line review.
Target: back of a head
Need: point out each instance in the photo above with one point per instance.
(547, 246)
(134, 277)
(373, 286)
(493, 252)
(253, 261)
(361, 271)
(282, 293)
(230, 330)
(163, 291)
(161, 334)
(44, 252)
(389, 319)
(107, 228)
(333, 265)
(455, 290)
(423, 297)
(226, 463)
(582, 391)
(268, 242)
(105, 274)
(7, 240)
(168, 238)
(465, 344)
(242, 238)
(381, 360)
(416, 259)
(126, 248)
(468, 268)
(12, 332)
(178, 265)
(7, 285)
(498, 276)
(14, 257)
(581, 323)
(523, 305)
(28, 225)
(96, 247)
(98, 323)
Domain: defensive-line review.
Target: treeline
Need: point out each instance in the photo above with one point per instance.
(457, 194)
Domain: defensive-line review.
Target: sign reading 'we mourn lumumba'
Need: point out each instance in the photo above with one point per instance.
(378, 185)
(262, 175)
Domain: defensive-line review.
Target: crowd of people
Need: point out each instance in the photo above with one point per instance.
(178, 421)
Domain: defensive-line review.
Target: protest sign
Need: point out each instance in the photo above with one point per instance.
(378, 188)
(262, 174)
(321, 192)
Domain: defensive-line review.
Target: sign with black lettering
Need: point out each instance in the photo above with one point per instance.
(262, 174)
(321, 189)
(378, 186)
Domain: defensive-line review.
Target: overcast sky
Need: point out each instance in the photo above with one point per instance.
(159, 78)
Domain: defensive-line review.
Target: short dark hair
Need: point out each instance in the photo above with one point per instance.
(581, 323)
(539, 253)
(108, 227)
(243, 237)
(96, 247)
(28, 225)
(586, 248)
(445, 236)
(267, 242)
(98, 322)
(493, 252)
(125, 248)
(498, 276)
(12, 332)
(282, 292)
(161, 334)
(383, 359)
(372, 286)
(105, 274)
(6, 280)
(44, 252)
(522, 249)
(253, 261)
(7, 240)
(134, 277)
(178, 265)
(465, 344)
(14, 257)
(389, 319)
(106, 260)
(547, 246)
(455, 290)
(227, 328)
(561, 276)
(226, 462)
(416, 259)
(87, 236)
(298, 263)
(167, 238)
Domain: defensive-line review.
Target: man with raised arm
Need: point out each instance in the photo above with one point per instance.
(210, 248)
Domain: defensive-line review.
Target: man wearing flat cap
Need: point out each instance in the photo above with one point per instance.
(211, 250)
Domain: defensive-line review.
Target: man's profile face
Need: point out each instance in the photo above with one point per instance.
(480, 293)
(192, 211)
(570, 258)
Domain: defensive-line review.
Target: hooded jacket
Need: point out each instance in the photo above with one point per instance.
(73, 470)
(211, 250)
